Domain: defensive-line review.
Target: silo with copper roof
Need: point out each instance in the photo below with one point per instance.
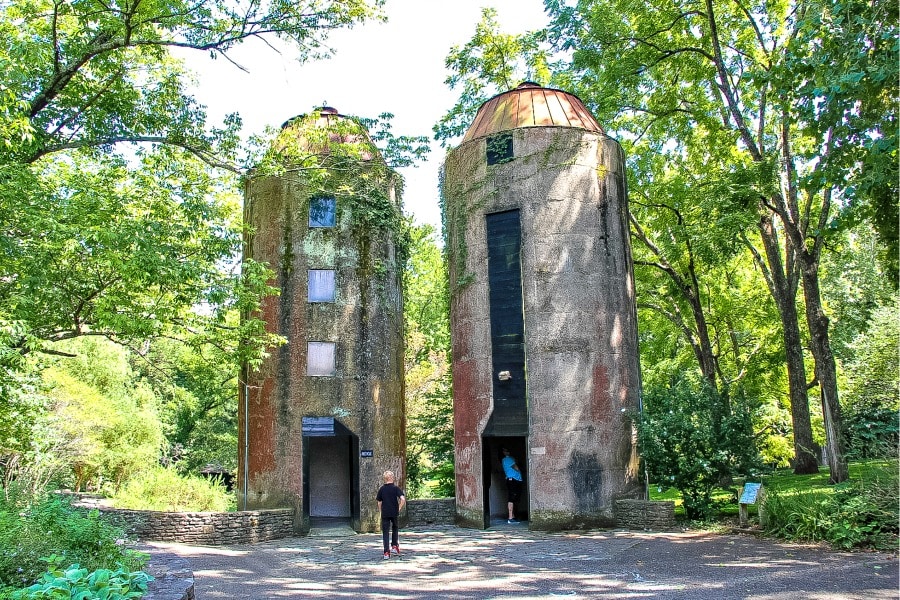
(543, 317)
(322, 417)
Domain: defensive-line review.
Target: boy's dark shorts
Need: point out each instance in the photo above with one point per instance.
(513, 490)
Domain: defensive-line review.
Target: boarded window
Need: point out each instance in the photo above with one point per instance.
(499, 148)
(320, 359)
(321, 285)
(322, 211)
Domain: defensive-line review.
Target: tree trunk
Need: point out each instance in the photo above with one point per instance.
(783, 286)
(826, 371)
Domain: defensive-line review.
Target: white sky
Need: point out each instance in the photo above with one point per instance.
(395, 67)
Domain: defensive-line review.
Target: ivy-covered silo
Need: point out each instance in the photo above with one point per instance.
(322, 417)
(543, 316)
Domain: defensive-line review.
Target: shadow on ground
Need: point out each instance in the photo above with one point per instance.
(513, 562)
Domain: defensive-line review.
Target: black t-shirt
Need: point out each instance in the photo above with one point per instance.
(389, 495)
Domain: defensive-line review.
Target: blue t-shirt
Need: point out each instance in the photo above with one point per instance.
(508, 462)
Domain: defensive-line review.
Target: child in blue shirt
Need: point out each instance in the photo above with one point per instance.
(513, 483)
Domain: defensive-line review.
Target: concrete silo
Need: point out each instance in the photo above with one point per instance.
(323, 416)
(543, 317)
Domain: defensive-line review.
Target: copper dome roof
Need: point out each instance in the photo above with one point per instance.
(530, 105)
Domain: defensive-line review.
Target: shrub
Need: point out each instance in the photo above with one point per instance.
(871, 431)
(32, 528)
(858, 513)
(76, 582)
(164, 489)
(870, 401)
(692, 439)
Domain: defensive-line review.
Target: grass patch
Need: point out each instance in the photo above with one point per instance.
(786, 482)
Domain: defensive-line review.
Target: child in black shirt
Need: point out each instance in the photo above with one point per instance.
(390, 502)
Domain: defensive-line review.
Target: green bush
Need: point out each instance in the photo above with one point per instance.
(76, 582)
(32, 528)
(861, 513)
(871, 431)
(870, 401)
(692, 439)
(164, 489)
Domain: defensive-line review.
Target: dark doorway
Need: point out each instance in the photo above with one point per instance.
(495, 508)
(330, 473)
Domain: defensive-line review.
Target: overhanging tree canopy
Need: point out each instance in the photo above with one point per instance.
(117, 214)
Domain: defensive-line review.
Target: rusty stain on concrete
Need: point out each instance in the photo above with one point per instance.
(566, 179)
(363, 396)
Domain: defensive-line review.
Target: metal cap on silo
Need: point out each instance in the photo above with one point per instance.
(530, 105)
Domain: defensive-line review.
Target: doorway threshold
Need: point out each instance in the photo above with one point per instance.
(330, 527)
(498, 523)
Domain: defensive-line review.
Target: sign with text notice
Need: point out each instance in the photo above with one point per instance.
(750, 493)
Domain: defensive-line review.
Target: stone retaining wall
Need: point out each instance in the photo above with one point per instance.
(643, 514)
(207, 528)
(247, 527)
(440, 511)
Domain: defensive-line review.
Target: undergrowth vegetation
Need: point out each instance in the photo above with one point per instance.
(78, 582)
(860, 513)
(165, 489)
(34, 529)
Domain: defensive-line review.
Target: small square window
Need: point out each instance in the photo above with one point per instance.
(500, 148)
(321, 285)
(320, 359)
(322, 211)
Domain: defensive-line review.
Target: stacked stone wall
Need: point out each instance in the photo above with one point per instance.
(440, 511)
(207, 528)
(643, 514)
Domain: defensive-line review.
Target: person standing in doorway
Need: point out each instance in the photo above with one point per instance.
(513, 483)
(390, 502)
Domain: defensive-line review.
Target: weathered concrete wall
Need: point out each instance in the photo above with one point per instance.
(580, 321)
(365, 394)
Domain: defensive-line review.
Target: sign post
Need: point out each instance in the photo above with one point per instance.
(750, 495)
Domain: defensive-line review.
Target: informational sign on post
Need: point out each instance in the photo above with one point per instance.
(751, 491)
(750, 495)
